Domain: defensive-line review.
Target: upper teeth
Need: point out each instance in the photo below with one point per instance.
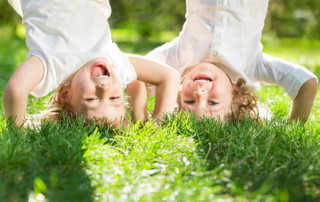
(202, 80)
(99, 76)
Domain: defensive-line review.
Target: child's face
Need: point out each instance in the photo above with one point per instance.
(96, 91)
(207, 91)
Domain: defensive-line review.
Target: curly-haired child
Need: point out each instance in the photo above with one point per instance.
(219, 56)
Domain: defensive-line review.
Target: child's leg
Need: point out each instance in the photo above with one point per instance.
(20, 84)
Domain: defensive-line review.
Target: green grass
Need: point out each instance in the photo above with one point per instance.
(182, 160)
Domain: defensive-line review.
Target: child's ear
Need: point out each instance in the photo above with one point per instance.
(235, 91)
(234, 88)
(64, 94)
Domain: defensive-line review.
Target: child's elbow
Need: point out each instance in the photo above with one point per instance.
(13, 91)
(313, 85)
(308, 90)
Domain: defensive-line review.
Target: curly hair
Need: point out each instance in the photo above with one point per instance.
(57, 109)
(244, 101)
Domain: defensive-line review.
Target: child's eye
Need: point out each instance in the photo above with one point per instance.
(212, 103)
(114, 98)
(189, 101)
(91, 99)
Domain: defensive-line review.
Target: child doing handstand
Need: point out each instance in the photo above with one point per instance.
(70, 50)
(218, 54)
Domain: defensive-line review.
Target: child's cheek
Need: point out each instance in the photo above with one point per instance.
(184, 89)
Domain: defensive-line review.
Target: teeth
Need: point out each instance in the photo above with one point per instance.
(202, 80)
(102, 76)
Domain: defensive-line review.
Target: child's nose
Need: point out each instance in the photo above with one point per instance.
(201, 91)
(104, 86)
(102, 89)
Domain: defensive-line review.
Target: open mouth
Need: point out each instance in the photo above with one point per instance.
(99, 70)
(202, 78)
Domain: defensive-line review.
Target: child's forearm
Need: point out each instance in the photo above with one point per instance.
(165, 78)
(166, 96)
(302, 104)
(15, 105)
(137, 93)
(22, 81)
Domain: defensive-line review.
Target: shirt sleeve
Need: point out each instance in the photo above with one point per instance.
(275, 71)
(122, 65)
(167, 53)
(16, 5)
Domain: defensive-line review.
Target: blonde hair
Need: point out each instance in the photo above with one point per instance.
(57, 110)
(60, 111)
(244, 101)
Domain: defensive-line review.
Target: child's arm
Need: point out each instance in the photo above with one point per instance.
(165, 78)
(23, 80)
(137, 93)
(298, 82)
(302, 104)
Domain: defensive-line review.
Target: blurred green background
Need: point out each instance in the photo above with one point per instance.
(286, 18)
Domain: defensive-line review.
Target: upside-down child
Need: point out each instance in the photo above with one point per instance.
(71, 53)
(219, 56)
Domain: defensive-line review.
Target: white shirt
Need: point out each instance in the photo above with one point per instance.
(229, 32)
(65, 34)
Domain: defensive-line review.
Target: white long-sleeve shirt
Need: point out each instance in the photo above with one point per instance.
(229, 32)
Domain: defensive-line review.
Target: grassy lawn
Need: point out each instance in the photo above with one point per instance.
(182, 160)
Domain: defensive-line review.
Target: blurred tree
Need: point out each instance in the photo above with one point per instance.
(7, 14)
(294, 18)
(286, 18)
(148, 17)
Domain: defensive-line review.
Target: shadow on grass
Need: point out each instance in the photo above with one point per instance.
(48, 161)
